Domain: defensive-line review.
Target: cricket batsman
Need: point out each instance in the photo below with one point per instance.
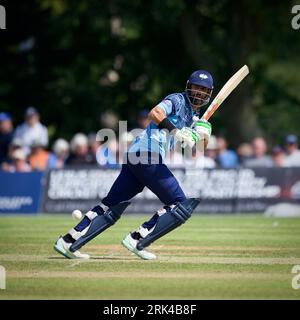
(171, 120)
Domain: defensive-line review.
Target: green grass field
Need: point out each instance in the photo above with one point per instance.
(210, 257)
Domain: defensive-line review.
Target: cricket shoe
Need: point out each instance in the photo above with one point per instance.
(130, 243)
(63, 247)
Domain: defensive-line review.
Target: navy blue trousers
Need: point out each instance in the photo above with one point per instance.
(134, 177)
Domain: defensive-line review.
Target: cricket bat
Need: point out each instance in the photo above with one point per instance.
(229, 86)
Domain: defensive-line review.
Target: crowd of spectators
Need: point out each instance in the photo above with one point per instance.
(254, 154)
(26, 148)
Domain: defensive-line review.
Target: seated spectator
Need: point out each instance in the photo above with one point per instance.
(126, 139)
(278, 157)
(175, 159)
(108, 154)
(14, 145)
(113, 147)
(94, 145)
(39, 158)
(143, 119)
(245, 152)
(226, 158)
(6, 135)
(80, 151)
(202, 161)
(259, 159)
(61, 152)
(292, 158)
(212, 149)
(31, 130)
(196, 160)
(19, 163)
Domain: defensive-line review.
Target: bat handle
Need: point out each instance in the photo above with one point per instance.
(204, 117)
(196, 118)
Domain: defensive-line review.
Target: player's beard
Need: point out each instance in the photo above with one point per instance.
(198, 98)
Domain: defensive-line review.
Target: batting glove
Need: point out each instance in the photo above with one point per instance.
(203, 129)
(187, 136)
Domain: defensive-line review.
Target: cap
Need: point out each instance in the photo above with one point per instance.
(30, 111)
(277, 149)
(19, 154)
(60, 145)
(79, 139)
(4, 116)
(202, 78)
(291, 139)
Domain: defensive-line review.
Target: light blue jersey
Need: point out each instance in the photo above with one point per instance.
(179, 111)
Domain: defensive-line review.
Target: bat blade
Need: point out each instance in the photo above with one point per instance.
(228, 87)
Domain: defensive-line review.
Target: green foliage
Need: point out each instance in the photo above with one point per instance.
(75, 59)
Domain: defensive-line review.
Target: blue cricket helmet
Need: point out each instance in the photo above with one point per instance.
(202, 78)
(200, 96)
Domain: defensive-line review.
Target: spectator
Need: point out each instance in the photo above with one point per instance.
(198, 159)
(94, 145)
(202, 161)
(80, 151)
(126, 139)
(113, 147)
(175, 159)
(245, 152)
(260, 159)
(143, 119)
(39, 158)
(19, 163)
(6, 135)
(61, 151)
(226, 158)
(108, 154)
(31, 130)
(14, 145)
(110, 120)
(278, 157)
(105, 154)
(212, 149)
(292, 158)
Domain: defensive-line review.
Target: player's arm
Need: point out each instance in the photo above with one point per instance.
(157, 115)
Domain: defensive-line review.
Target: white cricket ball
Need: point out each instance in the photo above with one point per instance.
(77, 214)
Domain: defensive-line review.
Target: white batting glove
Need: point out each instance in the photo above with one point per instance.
(187, 136)
(203, 129)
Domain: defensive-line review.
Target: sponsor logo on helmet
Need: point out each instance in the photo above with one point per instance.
(203, 76)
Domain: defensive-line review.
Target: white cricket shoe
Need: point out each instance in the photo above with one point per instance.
(130, 243)
(62, 247)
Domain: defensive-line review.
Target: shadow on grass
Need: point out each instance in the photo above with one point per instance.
(95, 258)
